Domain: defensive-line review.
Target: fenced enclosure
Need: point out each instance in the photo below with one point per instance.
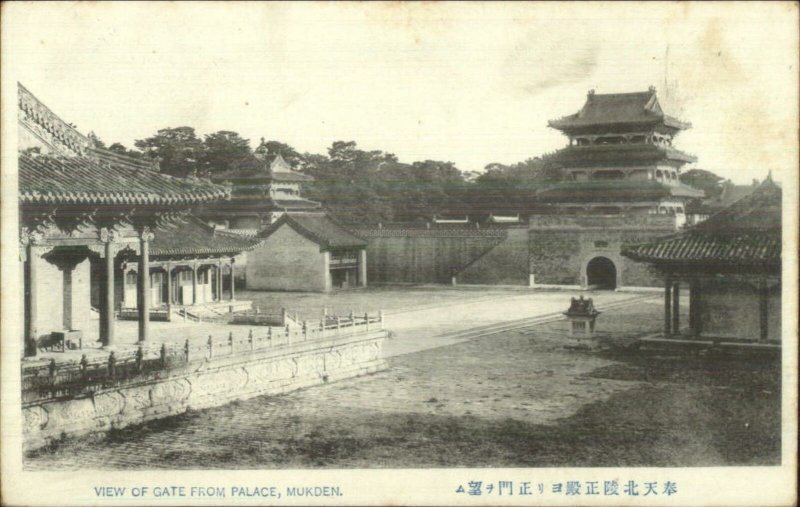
(66, 380)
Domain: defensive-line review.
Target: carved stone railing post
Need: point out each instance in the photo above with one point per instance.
(112, 365)
(139, 359)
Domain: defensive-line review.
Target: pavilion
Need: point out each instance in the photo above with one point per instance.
(188, 263)
(731, 264)
(84, 213)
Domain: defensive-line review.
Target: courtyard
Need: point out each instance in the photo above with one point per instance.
(514, 398)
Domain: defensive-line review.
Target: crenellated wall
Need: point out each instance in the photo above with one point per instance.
(202, 384)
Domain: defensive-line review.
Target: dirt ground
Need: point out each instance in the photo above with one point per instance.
(518, 399)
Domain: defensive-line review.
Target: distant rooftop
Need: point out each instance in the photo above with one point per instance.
(319, 228)
(270, 167)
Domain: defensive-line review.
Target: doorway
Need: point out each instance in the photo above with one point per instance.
(601, 274)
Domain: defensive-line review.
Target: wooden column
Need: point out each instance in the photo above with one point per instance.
(763, 311)
(695, 323)
(362, 267)
(194, 284)
(169, 286)
(143, 296)
(219, 280)
(31, 301)
(233, 280)
(107, 291)
(668, 306)
(676, 308)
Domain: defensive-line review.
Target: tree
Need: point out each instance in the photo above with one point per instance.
(225, 151)
(289, 154)
(703, 180)
(421, 190)
(178, 149)
(345, 182)
(513, 188)
(120, 149)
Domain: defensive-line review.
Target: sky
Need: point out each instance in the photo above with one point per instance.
(471, 83)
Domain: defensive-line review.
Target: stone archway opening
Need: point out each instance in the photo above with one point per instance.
(601, 273)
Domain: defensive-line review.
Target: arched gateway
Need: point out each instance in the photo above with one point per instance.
(601, 273)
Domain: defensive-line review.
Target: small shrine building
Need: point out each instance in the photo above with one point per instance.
(307, 252)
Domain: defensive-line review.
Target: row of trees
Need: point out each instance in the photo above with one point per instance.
(367, 186)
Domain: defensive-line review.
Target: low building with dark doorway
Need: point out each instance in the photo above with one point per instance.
(307, 252)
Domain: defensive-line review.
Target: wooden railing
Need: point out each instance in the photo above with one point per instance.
(64, 380)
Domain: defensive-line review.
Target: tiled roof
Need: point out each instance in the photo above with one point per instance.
(319, 228)
(618, 109)
(293, 203)
(117, 159)
(194, 237)
(250, 206)
(615, 153)
(48, 126)
(270, 168)
(85, 180)
(748, 233)
(290, 176)
(614, 190)
(409, 230)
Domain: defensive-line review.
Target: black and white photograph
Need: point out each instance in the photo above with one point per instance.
(479, 253)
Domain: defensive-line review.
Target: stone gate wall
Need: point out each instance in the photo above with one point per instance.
(560, 246)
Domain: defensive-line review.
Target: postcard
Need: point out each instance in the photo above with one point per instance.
(399, 253)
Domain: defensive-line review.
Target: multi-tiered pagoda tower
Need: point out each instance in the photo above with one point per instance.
(620, 158)
(621, 186)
